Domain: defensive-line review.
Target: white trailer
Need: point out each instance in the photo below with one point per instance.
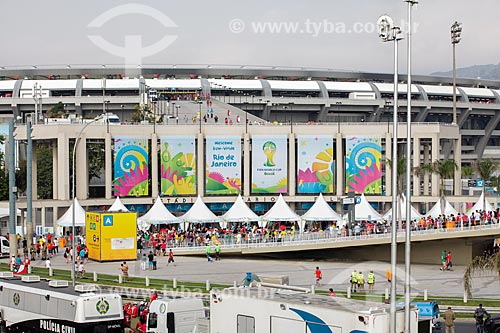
(179, 315)
(271, 310)
(35, 306)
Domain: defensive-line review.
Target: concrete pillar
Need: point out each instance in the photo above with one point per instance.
(388, 169)
(339, 165)
(154, 165)
(62, 167)
(435, 157)
(55, 181)
(81, 169)
(426, 160)
(200, 164)
(416, 163)
(44, 218)
(108, 167)
(457, 154)
(246, 165)
(292, 176)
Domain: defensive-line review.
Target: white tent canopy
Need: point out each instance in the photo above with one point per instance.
(67, 219)
(118, 206)
(280, 211)
(415, 215)
(199, 213)
(158, 214)
(240, 212)
(479, 205)
(321, 211)
(435, 211)
(364, 211)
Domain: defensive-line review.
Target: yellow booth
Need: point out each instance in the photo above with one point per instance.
(111, 236)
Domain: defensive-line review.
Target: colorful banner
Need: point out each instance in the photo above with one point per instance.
(363, 164)
(223, 170)
(269, 164)
(316, 164)
(178, 165)
(131, 166)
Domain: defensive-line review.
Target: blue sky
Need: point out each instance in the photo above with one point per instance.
(336, 34)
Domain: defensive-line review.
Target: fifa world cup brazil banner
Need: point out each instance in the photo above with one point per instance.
(316, 164)
(363, 164)
(223, 158)
(178, 165)
(131, 166)
(269, 164)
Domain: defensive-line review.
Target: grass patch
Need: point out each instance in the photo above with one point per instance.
(112, 280)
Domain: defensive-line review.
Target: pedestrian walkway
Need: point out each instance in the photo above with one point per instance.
(300, 272)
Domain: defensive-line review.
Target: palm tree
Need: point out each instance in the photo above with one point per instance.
(401, 172)
(480, 264)
(486, 168)
(467, 171)
(445, 170)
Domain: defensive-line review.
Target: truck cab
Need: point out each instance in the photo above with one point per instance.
(174, 315)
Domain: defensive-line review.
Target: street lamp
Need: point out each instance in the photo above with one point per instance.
(177, 107)
(106, 118)
(410, 3)
(291, 116)
(388, 32)
(73, 211)
(456, 32)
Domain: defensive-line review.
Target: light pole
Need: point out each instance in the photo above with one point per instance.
(291, 116)
(410, 3)
(12, 191)
(73, 210)
(177, 107)
(106, 117)
(456, 32)
(390, 33)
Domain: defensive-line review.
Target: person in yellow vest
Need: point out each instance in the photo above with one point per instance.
(371, 281)
(361, 281)
(354, 281)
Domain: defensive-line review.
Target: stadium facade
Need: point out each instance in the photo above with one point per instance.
(288, 107)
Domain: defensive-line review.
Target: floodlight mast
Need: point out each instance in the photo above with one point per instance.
(388, 32)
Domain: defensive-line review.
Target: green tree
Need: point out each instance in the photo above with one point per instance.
(467, 171)
(57, 111)
(142, 112)
(445, 170)
(480, 264)
(486, 168)
(44, 172)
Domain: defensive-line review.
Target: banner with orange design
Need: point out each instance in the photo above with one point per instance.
(178, 165)
(315, 164)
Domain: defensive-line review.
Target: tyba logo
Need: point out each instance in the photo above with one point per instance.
(269, 149)
(132, 51)
(102, 306)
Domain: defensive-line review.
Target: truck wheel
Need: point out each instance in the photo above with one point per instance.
(497, 330)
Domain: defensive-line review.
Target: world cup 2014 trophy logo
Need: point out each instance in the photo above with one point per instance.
(269, 149)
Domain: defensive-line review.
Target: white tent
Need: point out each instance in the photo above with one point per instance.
(435, 211)
(479, 205)
(199, 213)
(118, 206)
(280, 211)
(158, 214)
(67, 219)
(364, 211)
(415, 215)
(321, 211)
(240, 212)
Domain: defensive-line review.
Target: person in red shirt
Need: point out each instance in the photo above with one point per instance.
(319, 276)
(331, 293)
(141, 326)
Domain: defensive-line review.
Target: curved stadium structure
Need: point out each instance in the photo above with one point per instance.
(290, 102)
